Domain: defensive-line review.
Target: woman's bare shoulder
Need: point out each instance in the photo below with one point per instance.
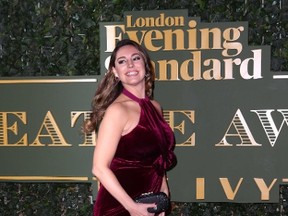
(157, 106)
(117, 108)
(120, 107)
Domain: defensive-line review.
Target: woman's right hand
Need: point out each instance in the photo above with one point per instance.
(140, 209)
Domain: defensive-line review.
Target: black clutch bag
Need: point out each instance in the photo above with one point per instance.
(160, 199)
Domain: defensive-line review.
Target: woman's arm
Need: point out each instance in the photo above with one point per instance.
(108, 136)
(164, 186)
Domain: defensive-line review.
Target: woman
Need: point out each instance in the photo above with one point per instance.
(134, 146)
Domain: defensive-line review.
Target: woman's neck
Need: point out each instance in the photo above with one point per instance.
(137, 91)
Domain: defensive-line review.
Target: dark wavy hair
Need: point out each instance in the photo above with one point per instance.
(110, 87)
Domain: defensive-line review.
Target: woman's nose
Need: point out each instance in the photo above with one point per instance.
(130, 64)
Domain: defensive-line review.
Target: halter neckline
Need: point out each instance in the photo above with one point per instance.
(132, 96)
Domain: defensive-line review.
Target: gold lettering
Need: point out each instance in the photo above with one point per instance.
(230, 35)
(242, 135)
(4, 128)
(50, 132)
(205, 38)
(129, 21)
(168, 42)
(159, 21)
(89, 139)
(196, 67)
(191, 69)
(150, 37)
(133, 36)
(268, 124)
(256, 60)
(141, 22)
(214, 72)
(230, 194)
(192, 35)
(263, 188)
(229, 67)
(163, 69)
(169, 116)
(200, 188)
(112, 38)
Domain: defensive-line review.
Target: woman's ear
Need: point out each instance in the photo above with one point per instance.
(115, 72)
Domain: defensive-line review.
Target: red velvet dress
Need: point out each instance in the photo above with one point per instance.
(141, 159)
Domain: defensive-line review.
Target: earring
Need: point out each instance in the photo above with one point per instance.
(116, 78)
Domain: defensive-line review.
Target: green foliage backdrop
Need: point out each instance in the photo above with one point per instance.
(61, 38)
(74, 199)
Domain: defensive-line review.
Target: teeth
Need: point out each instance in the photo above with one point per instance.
(131, 73)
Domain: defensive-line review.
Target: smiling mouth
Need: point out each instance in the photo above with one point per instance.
(131, 73)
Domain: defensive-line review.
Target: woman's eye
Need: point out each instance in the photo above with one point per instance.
(136, 58)
(121, 61)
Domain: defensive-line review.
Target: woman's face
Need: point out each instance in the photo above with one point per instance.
(129, 66)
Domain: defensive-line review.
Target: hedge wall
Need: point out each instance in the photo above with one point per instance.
(74, 199)
(61, 37)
